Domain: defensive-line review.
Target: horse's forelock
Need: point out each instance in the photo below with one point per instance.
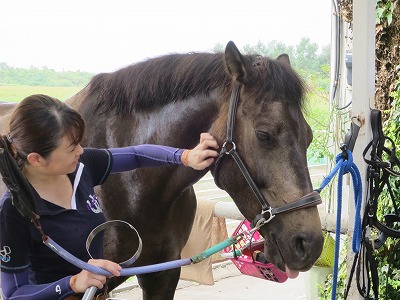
(280, 81)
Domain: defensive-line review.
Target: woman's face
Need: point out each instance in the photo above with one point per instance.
(64, 159)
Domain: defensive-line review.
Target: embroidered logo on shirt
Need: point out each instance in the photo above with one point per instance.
(93, 204)
(58, 289)
(4, 254)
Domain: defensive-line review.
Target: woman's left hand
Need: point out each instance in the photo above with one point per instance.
(204, 154)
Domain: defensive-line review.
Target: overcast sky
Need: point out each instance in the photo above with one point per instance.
(104, 35)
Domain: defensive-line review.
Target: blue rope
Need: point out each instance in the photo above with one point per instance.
(345, 165)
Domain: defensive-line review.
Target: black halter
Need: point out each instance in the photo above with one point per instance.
(229, 148)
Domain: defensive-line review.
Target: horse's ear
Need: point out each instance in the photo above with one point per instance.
(284, 59)
(237, 65)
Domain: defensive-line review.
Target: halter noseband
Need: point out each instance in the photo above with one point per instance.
(229, 148)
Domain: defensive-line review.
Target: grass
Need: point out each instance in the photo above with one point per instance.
(15, 93)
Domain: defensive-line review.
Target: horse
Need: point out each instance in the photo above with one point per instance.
(253, 106)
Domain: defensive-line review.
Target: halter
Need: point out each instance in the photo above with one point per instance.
(229, 148)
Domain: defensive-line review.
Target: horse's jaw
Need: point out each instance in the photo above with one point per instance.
(292, 252)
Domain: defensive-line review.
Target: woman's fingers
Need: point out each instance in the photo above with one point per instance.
(201, 158)
(86, 279)
(203, 155)
(205, 136)
(207, 144)
(208, 140)
(95, 281)
(112, 267)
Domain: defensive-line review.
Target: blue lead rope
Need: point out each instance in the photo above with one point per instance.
(345, 165)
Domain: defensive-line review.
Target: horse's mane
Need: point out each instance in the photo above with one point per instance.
(175, 77)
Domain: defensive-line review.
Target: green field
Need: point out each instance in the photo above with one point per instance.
(15, 93)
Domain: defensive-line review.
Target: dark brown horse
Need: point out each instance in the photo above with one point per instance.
(170, 100)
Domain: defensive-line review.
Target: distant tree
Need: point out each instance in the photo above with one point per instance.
(273, 49)
(219, 48)
(304, 57)
(42, 77)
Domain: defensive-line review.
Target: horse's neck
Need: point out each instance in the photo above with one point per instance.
(6, 110)
(176, 124)
(4, 124)
(77, 100)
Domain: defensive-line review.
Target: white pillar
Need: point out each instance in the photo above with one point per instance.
(363, 99)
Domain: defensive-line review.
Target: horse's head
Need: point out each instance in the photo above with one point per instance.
(269, 135)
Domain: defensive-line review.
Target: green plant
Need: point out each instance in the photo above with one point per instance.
(392, 125)
(319, 118)
(325, 291)
(388, 265)
(389, 282)
(389, 278)
(318, 114)
(384, 11)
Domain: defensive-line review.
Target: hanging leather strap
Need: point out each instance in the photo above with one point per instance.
(382, 163)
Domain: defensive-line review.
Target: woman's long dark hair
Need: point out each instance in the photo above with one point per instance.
(38, 124)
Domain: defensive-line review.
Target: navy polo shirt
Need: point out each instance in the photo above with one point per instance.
(21, 245)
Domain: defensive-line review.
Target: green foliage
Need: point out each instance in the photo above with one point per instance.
(42, 77)
(319, 118)
(384, 11)
(383, 255)
(318, 114)
(325, 291)
(392, 126)
(389, 282)
(273, 49)
(389, 279)
(313, 67)
(219, 48)
(304, 56)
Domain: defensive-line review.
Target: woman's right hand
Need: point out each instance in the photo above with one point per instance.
(204, 154)
(83, 280)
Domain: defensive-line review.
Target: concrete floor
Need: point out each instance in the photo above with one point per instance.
(231, 284)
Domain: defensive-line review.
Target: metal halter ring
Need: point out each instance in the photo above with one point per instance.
(108, 224)
(233, 148)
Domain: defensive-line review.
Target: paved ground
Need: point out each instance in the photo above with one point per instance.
(231, 284)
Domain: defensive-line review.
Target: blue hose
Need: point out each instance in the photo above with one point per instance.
(138, 270)
(124, 272)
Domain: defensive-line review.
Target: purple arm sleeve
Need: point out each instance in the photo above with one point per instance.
(16, 286)
(144, 156)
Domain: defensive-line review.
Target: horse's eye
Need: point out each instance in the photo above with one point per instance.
(264, 137)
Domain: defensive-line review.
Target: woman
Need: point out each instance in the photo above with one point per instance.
(44, 139)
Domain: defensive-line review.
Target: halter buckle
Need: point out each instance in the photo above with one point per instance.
(260, 220)
(271, 215)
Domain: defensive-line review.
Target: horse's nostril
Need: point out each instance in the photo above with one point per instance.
(300, 246)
